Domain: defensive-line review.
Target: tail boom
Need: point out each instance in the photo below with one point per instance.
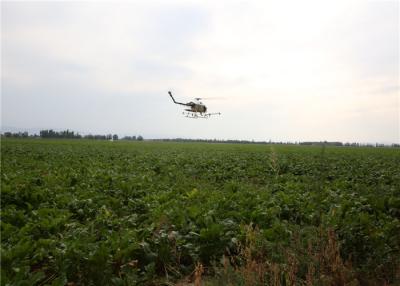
(173, 99)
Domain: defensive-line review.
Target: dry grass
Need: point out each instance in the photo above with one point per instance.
(198, 271)
(320, 264)
(253, 266)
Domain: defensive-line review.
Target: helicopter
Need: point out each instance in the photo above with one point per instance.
(196, 109)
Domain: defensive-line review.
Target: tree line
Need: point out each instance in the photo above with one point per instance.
(310, 143)
(68, 134)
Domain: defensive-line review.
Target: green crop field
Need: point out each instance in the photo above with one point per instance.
(82, 212)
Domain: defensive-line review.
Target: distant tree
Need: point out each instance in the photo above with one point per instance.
(54, 134)
(115, 137)
(140, 138)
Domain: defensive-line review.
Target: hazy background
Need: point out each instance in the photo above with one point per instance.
(280, 70)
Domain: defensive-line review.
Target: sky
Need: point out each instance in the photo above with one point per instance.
(276, 70)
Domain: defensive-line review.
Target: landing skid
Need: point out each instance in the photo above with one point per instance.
(194, 115)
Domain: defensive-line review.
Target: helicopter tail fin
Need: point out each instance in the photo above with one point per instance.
(170, 94)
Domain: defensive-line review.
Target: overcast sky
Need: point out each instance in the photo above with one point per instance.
(280, 70)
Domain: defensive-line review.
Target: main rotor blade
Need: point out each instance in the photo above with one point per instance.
(215, 98)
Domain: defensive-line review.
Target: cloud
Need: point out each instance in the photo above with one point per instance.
(286, 70)
(106, 39)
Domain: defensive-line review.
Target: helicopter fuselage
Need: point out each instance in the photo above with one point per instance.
(197, 107)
